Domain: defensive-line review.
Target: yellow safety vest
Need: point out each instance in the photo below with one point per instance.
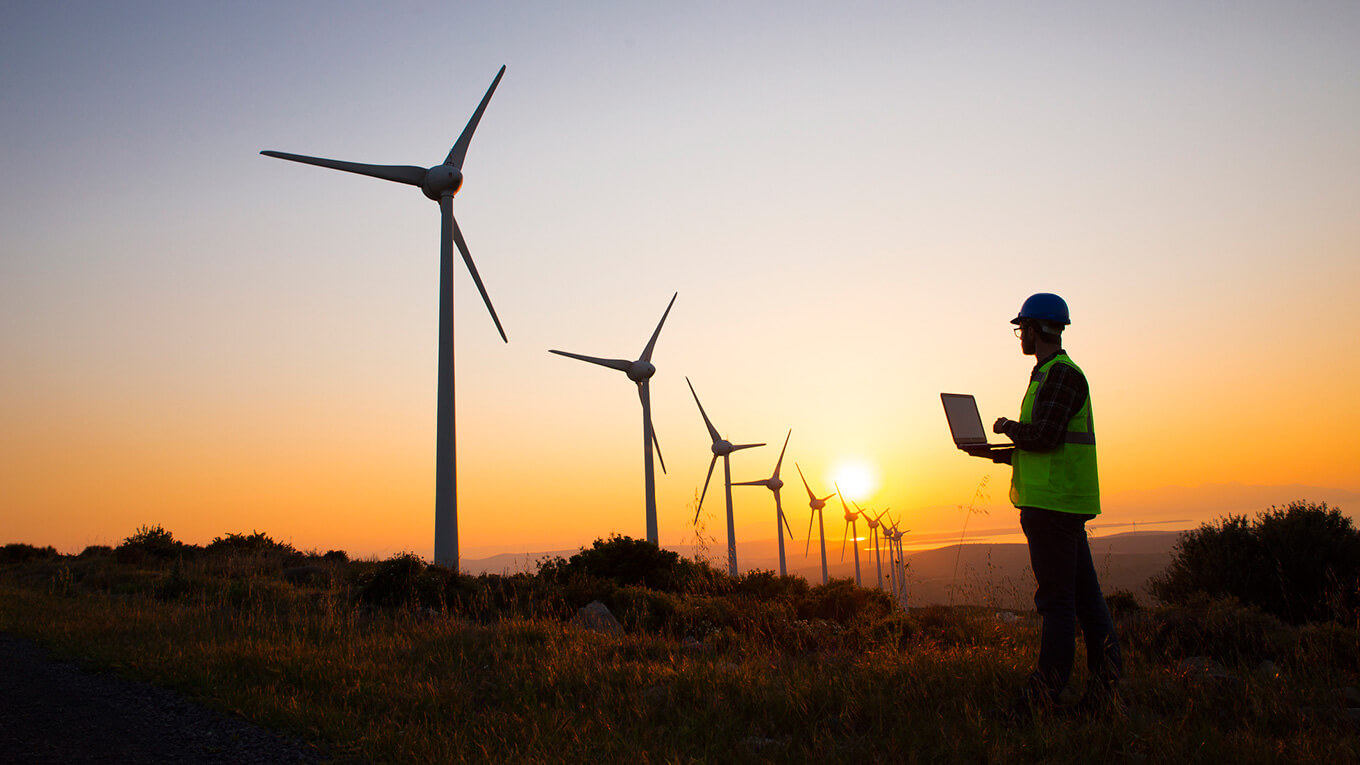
(1064, 479)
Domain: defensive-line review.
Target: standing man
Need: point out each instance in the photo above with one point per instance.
(1054, 484)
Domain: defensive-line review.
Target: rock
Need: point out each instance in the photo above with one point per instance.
(595, 616)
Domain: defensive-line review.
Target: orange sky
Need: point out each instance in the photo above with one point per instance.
(851, 212)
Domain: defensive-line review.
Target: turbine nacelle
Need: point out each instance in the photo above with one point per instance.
(817, 504)
(441, 180)
(641, 370)
(775, 484)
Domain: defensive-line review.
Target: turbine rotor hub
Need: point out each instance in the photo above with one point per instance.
(441, 180)
(722, 448)
(775, 484)
(641, 370)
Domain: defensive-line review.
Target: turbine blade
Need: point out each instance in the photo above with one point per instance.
(712, 431)
(446, 205)
(739, 447)
(781, 454)
(459, 150)
(823, 499)
(811, 496)
(762, 482)
(645, 395)
(408, 174)
(620, 364)
(651, 344)
(704, 493)
(844, 535)
(808, 546)
(779, 508)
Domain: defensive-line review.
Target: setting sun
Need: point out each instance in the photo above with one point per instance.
(856, 478)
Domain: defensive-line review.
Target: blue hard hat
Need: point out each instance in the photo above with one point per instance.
(1044, 306)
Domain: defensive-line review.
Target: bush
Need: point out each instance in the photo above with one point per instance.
(150, 544)
(256, 542)
(403, 581)
(1300, 563)
(22, 553)
(625, 561)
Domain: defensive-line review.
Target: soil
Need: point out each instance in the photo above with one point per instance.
(54, 711)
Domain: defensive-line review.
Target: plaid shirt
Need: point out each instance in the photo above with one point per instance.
(1058, 400)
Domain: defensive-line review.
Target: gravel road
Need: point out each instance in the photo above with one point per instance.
(57, 712)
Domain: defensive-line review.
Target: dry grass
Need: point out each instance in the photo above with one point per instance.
(402, 685)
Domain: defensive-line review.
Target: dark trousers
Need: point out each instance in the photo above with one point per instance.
(1068, 594)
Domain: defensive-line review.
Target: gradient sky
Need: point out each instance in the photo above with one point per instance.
(851, 199)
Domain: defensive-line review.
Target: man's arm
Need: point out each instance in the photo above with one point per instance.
(1059, 399)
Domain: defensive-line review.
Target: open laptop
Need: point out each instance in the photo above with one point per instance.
(965, 424)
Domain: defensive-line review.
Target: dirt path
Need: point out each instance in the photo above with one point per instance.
(56, 712)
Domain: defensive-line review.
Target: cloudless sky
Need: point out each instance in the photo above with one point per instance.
(851, 199)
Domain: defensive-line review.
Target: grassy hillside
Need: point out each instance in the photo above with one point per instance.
(396, 661)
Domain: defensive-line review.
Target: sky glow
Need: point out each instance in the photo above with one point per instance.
(851, 200)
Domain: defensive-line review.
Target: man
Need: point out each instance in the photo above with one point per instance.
(1055, 486)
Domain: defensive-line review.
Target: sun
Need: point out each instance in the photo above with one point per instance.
(856, 478)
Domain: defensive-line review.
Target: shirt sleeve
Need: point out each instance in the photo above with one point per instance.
(1058, 400)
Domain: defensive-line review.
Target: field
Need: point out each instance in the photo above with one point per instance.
(395, 661)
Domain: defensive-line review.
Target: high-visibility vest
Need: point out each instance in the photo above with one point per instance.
(1064, 479)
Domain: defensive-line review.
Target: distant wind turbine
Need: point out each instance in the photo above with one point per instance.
(816, 503)
(874, 540)
(900, 562)
(780, 522)
(640, 372)
(850, 527)
(721, 448)
(440, 183)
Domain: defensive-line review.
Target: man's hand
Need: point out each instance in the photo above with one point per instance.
(1000, 425)
(998, 454)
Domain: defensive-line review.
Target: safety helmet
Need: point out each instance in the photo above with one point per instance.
(1044, 306)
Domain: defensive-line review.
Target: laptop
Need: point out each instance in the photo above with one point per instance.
(965, 424)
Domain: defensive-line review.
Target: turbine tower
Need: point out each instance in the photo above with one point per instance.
(780, 522)
(816, 503)
(850, 517)
(440, 183)
(640, 371)
(721, 448)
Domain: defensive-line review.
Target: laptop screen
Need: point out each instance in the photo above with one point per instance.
(965, 424)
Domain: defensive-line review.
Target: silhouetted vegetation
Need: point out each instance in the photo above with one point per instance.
(1300, 563)
(710, 667)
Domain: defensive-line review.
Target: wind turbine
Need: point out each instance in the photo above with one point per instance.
(816, 503)
(780, 522)
(721, 448)
(440, 183)
(640, 371)
(900, 567)
(873, 522)
(850, 517)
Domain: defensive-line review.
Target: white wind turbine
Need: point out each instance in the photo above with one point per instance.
(721, 448)
(439, 183)
(780, 522)
(640, 371)
(850, 526)
(816, 503)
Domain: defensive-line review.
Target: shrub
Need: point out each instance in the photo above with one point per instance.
(150, 544)
(625, 561)
(256, 542)
(1300, 563)
(403, 581)
(22, 553)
